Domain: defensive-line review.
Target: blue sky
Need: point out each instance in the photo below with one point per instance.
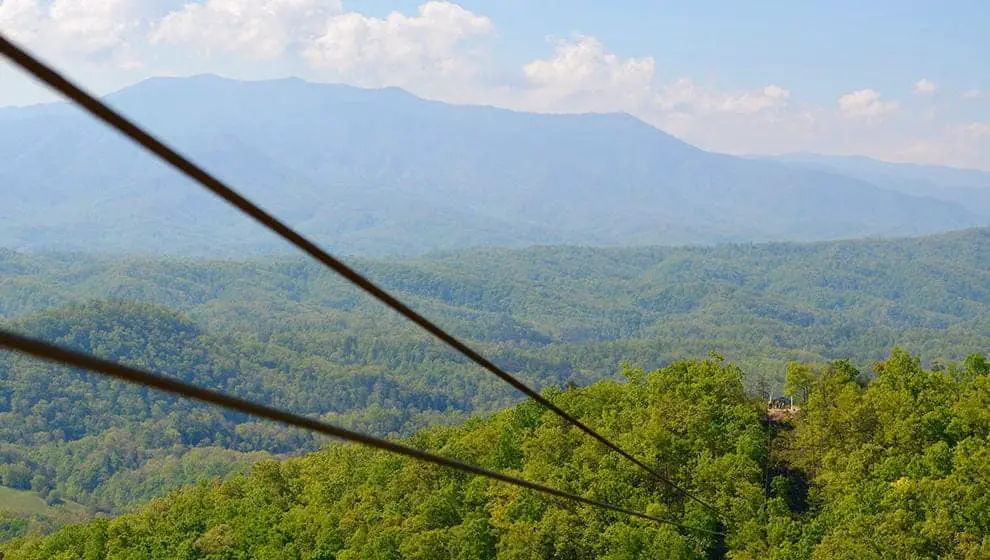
(819, 49)
(773, 76)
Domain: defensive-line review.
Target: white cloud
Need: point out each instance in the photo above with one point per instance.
(733, 121)
(441, 52)
(973, 130)
(22, 19)
(95, 29)
(925, 86)
(581, 76)
(866, 104)
(435, 46)
(962, 145)
(776, 92)
(261, 29)
(684, 94)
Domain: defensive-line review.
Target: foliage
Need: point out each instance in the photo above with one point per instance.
(109, 445)
(692, 418)
(895, 467)
(898, 467)
(281, 331)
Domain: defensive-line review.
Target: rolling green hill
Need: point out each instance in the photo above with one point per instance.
(284, 331)
(835, 299)
(893, 468)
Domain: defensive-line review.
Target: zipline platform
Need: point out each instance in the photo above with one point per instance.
(780, 414)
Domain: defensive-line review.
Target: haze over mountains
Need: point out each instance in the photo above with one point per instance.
(381, 171)
(969, 188)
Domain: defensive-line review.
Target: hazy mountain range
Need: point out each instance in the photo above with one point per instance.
(382, 171)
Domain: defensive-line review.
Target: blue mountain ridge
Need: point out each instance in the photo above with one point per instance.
(384, 172)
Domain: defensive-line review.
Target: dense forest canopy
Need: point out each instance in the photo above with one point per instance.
(840, 299)
(896, 467)
(285, 332)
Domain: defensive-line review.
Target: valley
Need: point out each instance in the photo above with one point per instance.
(280, 330)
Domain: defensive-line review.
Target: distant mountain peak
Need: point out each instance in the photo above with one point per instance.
(812, 157)
(383, 171)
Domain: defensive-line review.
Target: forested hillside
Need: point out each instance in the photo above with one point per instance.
(284, 332)
(893, 468)
(839, 299)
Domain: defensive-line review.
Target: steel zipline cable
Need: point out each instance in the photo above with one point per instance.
(52, 353)
(117, 121)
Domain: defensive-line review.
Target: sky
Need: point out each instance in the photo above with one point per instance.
(904, 81)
